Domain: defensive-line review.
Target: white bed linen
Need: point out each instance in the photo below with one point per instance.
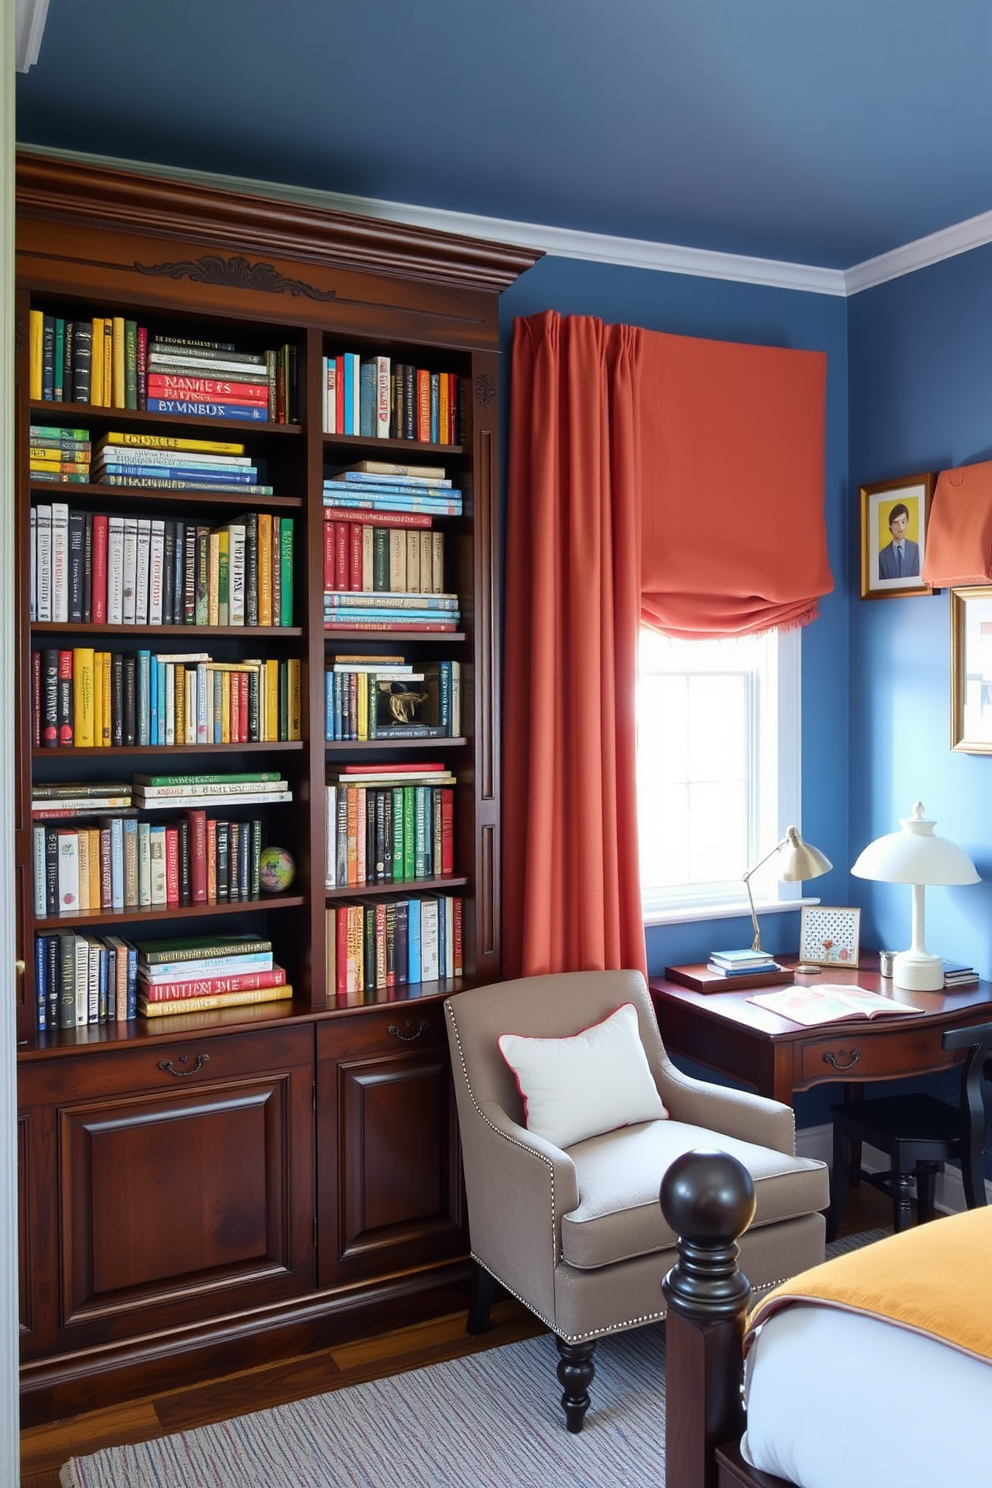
(839, 1400)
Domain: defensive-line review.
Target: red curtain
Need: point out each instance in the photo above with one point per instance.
(653, 477)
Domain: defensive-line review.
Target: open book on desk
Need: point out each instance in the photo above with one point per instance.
(830, 1003)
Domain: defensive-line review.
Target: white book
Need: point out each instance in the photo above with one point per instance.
(44, 561)
(130, 570)
(115, 571)
(429, 960)
(191, 705)
(123, 454)
(204, 702)
(82, 981)
(191, 971)
(205, 788)
(236, 573)
(38, 840)
(33, 568)
(144, 865)
(382, 397)
(68, 860)
(142, 571)
(60, 561)
(255, 799)
(449, 938)
(117, 862)
(327, 395)
(330, 838)
(456, 699)
(156, 854)
(156, 571)
(437, 561)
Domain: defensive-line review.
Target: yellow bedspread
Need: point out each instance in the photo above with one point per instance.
(935, 1279)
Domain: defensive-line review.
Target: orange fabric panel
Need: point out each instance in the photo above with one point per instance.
(959, 533)
(733, 531)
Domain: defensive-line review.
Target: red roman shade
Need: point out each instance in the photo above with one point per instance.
(958, 547)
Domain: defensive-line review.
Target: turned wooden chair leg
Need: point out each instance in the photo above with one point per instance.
(902, 1202)
(481, 1303)
(575, 1375)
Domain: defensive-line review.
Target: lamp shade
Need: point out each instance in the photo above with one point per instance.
(915, 855)
(799, 861)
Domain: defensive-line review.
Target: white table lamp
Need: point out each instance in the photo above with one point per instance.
(915, 855)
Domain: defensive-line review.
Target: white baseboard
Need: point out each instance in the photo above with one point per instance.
(817, 1141)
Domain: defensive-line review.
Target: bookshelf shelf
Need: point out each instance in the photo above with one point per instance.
(241, 1178)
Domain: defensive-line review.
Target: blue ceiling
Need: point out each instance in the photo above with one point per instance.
(817, 131)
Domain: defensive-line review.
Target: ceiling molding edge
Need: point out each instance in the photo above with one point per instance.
(961, 237)
(635, 253)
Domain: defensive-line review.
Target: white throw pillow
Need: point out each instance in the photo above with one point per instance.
(593, 1082)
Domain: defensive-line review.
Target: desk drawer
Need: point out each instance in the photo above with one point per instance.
(861, 1052)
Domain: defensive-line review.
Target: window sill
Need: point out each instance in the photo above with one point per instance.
(688, 914)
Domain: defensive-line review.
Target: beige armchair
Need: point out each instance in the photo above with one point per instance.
(577, 1233)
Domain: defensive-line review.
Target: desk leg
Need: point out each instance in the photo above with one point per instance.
(855, 1092)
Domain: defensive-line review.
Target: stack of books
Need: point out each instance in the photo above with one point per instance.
(374, 951)
(176, 465)
(389, 824)
(59, 455)
(158, 792)
(213, 971)
(358, 489)
(956, 974)
(741, 963)
(348, 610)
(81, 979)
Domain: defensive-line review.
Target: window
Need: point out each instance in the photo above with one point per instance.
(717, 769)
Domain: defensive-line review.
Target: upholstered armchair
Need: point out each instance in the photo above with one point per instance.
(564, 1153)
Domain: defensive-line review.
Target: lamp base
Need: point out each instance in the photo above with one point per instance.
(916, 972)
(804, 970)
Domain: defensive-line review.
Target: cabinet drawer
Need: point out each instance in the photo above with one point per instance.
(859, 1052)
(175, 1064)
(389, 1030)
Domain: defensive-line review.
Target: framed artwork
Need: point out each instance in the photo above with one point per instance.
(971, 670)
(894, 518)
(829, 937)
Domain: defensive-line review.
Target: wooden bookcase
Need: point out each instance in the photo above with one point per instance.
(223, 1186)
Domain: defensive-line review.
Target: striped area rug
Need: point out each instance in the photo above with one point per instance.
(491, 1420)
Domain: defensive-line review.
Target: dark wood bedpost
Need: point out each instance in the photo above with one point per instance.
(708, 1199)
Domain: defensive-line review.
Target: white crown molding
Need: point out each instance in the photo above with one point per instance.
(31, 16)
(634, 253)
(560, 242)
(961, 237)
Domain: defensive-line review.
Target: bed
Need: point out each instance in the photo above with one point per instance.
(873, 1369)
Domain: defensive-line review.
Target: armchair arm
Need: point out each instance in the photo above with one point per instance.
(735, 1113)
(518, 1187)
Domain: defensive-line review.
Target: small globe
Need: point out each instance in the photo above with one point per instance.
(276, 869)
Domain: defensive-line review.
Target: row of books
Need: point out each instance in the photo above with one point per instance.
(391, 946)
(378, 399)
(58, 455)
(127, 864)
(363, 556)
(109, 569)
(89, 699)
(348, 609)
(355, 493)
(117, 464)
(389, 825)
(383, 697)
(81, 979)
(111, 361)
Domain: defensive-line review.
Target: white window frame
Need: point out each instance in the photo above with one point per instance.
(779, 710)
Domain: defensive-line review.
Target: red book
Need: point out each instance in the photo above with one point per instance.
(98, 600)
(447, 829)
(169, 385)
(391, 769)
(245, 981)
(423, 405)
(378, 518)
(198, 856)
(211, 860)
(65, 700)
(172, 865)
(339, 393)
(355, 555)
(329, 530)
(340, 555)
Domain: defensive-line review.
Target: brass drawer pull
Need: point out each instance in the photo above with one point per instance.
(182, 1074)
(831, 1058)
(408, 1038)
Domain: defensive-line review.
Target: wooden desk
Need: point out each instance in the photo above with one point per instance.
(776, 1057)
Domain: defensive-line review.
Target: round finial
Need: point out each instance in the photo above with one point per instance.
(707, 1195)
(918, 809)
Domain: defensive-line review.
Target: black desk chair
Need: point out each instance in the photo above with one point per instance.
(918, 1134)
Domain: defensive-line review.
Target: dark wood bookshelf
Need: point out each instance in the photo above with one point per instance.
(350, 746)
(159, 913)
(132, 495)
(397, 888)
(146, 632)
(162, 423)
(167, 752)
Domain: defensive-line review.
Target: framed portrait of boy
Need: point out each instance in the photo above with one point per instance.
(894, 517)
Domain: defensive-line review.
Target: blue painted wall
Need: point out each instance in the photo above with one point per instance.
(742, 312)
(920, 375)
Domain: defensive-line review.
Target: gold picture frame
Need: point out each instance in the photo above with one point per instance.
(971, 670)
(829, 936)
(889, 510)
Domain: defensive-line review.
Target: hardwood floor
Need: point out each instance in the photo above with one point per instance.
(45, 1448)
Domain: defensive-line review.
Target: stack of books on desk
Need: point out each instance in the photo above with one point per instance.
(958, 975)
(739, 963)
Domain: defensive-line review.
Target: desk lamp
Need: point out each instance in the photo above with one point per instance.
(798, 861)
(916, 855)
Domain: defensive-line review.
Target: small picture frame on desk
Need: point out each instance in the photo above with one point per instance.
(829, 936)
